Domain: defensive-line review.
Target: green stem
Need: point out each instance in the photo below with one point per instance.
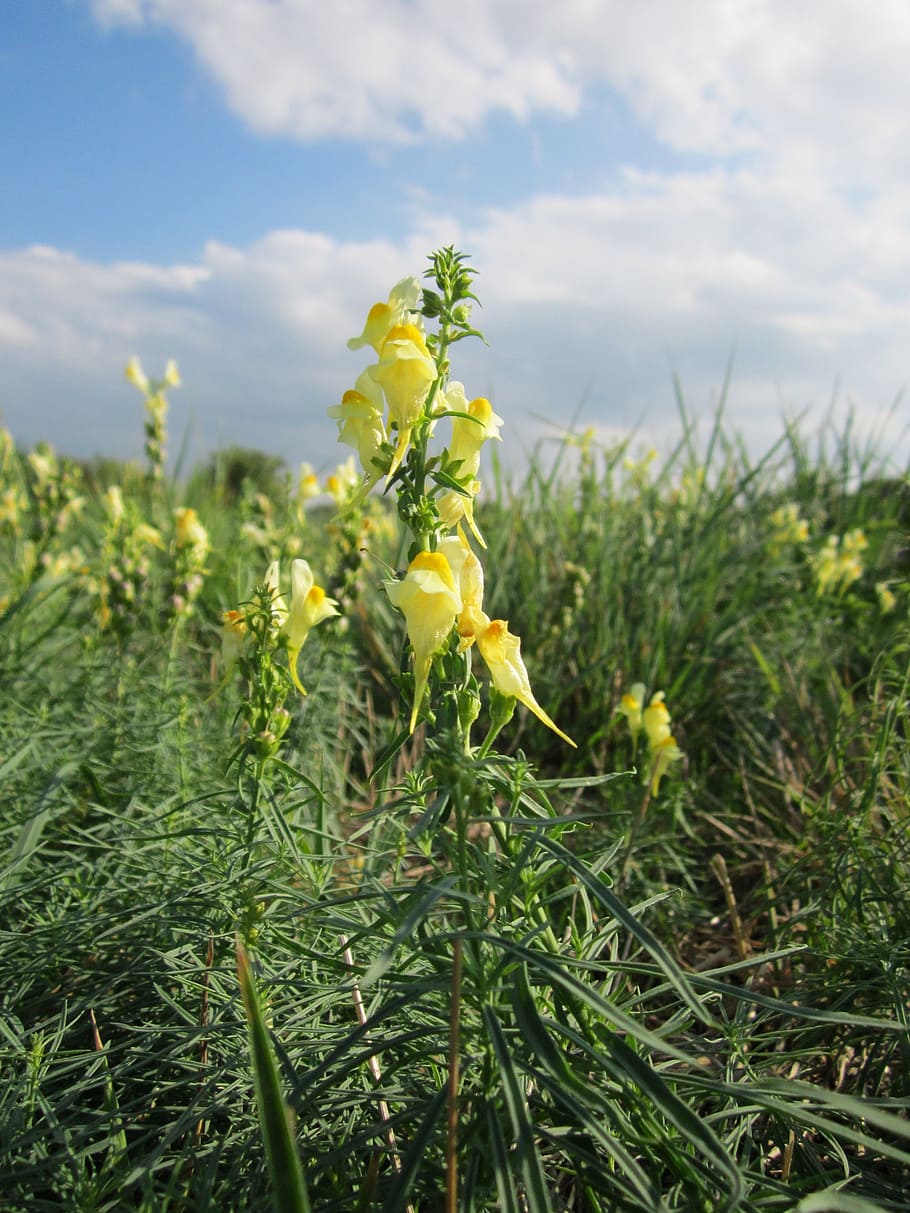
(252, 816)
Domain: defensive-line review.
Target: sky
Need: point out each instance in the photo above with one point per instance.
(657, 197)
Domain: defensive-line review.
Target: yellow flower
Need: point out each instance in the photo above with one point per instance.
(850, 569)
(114, 504)
(307, 482)
(309, 605)
(256, 534)
(631, 707)
(468, 573)
(44, 468)
(11, 505)
(429, 598)
(839, 563)
(360, 423)
(789, 526)
(343, 482)
(664, 753)
(58, 565)
(72, 509)
(190, 533)
(383, 317)
(405, 372)
(146, 534)
(468, 436)
(501, 650)
(233, 636)
(887, 599)
(656, 719)
(137, 376)
(854, 542)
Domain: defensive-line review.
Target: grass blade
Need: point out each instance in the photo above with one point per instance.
(290, 1194)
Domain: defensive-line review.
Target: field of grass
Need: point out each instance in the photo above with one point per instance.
(516, 976)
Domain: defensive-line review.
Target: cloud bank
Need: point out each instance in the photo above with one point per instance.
(604, 297)
(811, 88)
(776, 233)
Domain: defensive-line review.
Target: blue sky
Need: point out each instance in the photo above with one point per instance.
(647, 191)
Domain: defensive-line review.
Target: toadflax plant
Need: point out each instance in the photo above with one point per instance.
(472, 923)
(403, 405)
(484, 1023)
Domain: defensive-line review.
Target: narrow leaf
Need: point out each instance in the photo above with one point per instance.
(535, 1190)
(290, 1194)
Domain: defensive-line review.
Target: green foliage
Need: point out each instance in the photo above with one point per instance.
(522, 986)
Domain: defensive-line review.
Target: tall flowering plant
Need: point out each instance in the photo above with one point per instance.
(420, 434)
(473, 917)
(416, 428)
(156, 408)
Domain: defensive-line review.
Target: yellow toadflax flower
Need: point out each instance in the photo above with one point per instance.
(44, 468)
(190, 534)
(11, 505)
(839, 562)
(661, 742)
(343, 483)
(631, 706)
(887, 599)
(789, 526)
(114, 505)
(233, 637)
(468, 571)
(403, 300)
(429, 598)
(146, 534)
(468, 436)
(663, 754)
(137, 376)
(360, 423)
(656, 719)
(309, 605)
(501, 650)
(273, 585)
(405, 372)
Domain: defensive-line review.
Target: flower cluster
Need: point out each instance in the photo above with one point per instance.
(443, 590)
(638, 471)
(284, 626)
(789, 527)
(191, 547)
(887, 599)
(655, 721)
(52, 486)
(156, 406)
(839, 563)
(123, 580)
(389, 416)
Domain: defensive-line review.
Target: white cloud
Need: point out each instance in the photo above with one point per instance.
(355, 69)
(786, 243)
(14, 331)
(818, 89)
(603, 297)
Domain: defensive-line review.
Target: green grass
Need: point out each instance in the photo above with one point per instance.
(696, 1000)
